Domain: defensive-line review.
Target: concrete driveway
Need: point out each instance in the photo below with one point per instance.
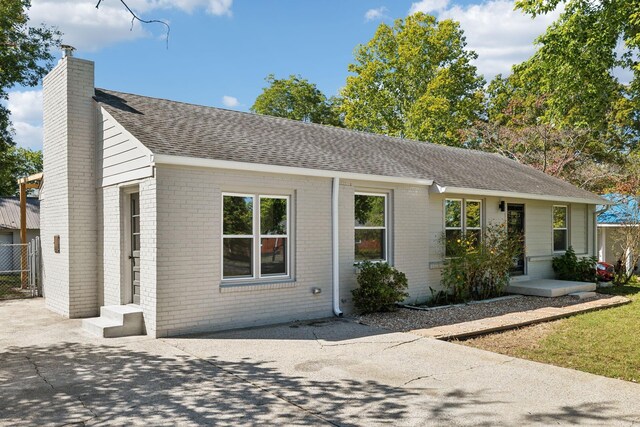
(319, 373)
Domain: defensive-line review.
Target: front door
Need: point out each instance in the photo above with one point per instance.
(135, 247)
(515, 227)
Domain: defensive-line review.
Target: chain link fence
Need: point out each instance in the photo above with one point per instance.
(20, 270)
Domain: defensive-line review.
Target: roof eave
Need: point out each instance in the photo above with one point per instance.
(287, 170)
(517, 195)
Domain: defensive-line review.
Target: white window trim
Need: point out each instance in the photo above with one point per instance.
(238, 236)
(274, 236)
(566, 227)
(385, 228)
(256, 238)
(463, 217)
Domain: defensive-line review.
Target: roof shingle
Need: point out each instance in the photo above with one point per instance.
(180, 129)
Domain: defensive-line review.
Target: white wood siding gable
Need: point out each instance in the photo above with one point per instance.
(121, 157)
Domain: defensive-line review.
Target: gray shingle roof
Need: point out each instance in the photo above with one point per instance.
(10, 213)
(180, 129)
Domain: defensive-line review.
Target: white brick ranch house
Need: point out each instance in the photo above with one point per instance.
(209, 219)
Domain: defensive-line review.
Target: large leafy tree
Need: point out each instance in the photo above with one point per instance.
(564, 110)
(18, 162)
(25, 57)
(575, 69)
(298, 99)
(414, 80)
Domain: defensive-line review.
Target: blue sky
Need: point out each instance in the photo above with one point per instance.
(221, 50)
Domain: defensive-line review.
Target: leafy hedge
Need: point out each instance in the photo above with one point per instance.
(380, 287)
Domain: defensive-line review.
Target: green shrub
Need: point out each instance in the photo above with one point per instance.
(569, 267)
(380, 287)
(479, 270)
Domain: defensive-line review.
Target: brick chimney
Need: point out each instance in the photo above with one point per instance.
(69, 202)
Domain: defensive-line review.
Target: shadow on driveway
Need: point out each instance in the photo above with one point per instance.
(81, 383)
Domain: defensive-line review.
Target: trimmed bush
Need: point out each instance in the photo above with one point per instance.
(569, 267)
(380, 287)
(479, 270)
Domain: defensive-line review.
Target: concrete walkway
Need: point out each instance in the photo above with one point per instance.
(319, 373)
(517, 320)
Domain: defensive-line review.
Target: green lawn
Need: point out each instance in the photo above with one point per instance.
(605, 342)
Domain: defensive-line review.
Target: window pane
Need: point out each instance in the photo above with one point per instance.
(369, 211)
(238, 215)
(273, 216)
(474, 236)
(473, 214)
(453, 213)
(273, 256)
(559, 217)
(452, 243)
(236, 258)
(559, 240)
(369, 245)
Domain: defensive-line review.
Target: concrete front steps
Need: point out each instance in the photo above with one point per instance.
(548, 288)
(116, 321)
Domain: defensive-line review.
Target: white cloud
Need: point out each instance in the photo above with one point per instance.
(27, 135)
(88, 28)
(230, 101)
(375, 14)
(428, 6)
(500, 35)
(26, 116)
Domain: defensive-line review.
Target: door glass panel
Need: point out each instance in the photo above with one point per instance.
(134, 256)
(515, 227)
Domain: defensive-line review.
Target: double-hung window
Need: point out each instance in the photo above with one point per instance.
(560, 228)
(370, 227)
(462, 218)
(255, 236)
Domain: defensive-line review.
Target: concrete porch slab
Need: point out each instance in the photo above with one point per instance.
(549, 288)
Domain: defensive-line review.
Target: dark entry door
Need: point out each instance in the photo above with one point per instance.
(515, 226)
(135, 247)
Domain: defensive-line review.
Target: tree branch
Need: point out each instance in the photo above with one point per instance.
(135, 17)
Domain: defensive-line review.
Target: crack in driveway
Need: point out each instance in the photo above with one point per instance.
(258, 386)
(46, 381)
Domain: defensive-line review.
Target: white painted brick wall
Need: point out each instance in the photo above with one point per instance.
(149, 253)
(69, 208)
(188, 266)
(111, 245)
(538, 231)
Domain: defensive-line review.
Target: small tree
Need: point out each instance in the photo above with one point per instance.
(480, 270)
(380, 287)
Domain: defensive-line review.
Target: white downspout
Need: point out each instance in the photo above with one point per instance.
(335, 243)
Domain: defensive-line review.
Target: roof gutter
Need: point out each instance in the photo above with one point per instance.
(287, 170)
(496, 193)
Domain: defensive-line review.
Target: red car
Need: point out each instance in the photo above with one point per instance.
(604, 271)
